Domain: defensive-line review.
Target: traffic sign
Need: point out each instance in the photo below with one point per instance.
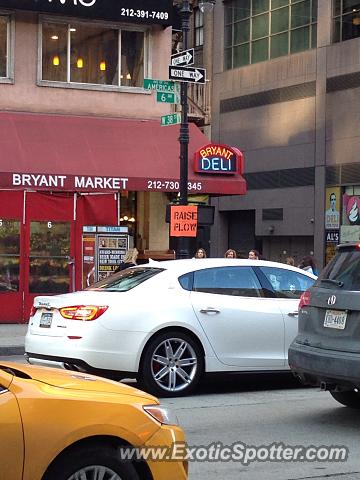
(161, 85)
(187, 74)
(186, 57)
(167, 97)
(172, 119)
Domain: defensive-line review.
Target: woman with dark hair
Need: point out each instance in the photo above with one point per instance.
(200, 253)
(308, 264)
(230, 253)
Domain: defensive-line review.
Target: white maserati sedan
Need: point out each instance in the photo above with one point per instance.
(169, 323)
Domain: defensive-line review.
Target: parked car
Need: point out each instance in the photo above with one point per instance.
(60, 425)
(168, 323)
(326, 351)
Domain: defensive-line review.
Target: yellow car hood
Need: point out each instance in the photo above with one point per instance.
(73, 380)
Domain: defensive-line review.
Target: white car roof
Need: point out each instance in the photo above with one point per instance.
(188, 265)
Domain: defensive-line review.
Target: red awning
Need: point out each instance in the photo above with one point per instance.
(55, 152)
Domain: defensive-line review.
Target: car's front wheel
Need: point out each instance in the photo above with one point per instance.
(88, 463)
(348, 398)
(172, 365)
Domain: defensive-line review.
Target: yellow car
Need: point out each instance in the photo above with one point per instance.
(62, 425)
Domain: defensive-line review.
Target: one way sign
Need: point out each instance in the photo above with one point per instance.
(186, 57)
(187, 74)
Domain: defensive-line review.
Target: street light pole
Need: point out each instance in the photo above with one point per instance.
(185, 14)
(183, 243)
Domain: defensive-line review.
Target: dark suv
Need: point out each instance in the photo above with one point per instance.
(326, 351)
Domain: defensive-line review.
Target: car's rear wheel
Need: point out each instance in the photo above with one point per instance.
(89, 462)
(172, 365)
(349, 398)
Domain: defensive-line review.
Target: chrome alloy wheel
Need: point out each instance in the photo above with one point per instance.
(92, 472)
(174, 364)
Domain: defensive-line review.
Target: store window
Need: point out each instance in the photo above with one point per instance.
(346, 20)
(198, 28)
(91, 54)
(9, 255)
(259, 30)
(5, 50)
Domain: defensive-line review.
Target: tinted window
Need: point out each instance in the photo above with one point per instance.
(238, 281)
(286, 283)
(125, 280)
(186, 281)
(344, 268)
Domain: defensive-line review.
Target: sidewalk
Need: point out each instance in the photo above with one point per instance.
(12, 339)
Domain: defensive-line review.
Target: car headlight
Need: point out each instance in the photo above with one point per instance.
(161, 414)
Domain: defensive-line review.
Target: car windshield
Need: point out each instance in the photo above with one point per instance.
(343, 271)
(125, 280)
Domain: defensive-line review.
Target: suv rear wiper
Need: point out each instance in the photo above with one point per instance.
(333, 282)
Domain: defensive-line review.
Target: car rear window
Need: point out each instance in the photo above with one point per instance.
(125, 280)
(343, 271)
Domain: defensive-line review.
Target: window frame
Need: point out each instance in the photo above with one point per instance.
(198, 28)
(94, 86)
(340, 17)
(229, 50)
(10, 47)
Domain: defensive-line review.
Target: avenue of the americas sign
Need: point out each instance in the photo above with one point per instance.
(218, 159)
(135, 11)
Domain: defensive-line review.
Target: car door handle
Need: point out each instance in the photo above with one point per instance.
(209, 310)
(293, 314)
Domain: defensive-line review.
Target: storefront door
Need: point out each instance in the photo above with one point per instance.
(49, 242)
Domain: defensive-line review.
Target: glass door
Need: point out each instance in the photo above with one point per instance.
(49, 258)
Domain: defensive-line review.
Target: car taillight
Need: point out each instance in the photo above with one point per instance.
(304, 299)
(83, 312)
(32, 311)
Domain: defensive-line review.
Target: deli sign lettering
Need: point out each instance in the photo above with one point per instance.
(218, 159)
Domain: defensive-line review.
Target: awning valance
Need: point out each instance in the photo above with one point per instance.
(86, 154)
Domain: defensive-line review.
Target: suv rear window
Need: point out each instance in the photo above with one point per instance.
(343, 271)
(125, 280)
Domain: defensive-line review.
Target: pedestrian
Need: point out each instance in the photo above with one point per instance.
(129, 260)
(290, 261)
(308, 264)
(200, 253)
(230, 253)
(253, 255)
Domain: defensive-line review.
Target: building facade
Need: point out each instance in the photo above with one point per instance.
(81, 141)
(286, 91)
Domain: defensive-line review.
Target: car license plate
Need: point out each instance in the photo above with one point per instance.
(335, 319)
(45, 320)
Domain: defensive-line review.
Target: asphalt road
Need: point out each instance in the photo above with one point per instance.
(260, 411)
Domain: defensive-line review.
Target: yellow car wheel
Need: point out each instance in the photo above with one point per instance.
(89, 462)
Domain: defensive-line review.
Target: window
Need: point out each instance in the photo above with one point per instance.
(346, 20)
(198, 28)
(6, 56)
(286, 283)
(235, 281)
(259, 30)
(9, 255)
(125, 280)
(92, 54)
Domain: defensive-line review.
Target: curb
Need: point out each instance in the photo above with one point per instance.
(12, 350)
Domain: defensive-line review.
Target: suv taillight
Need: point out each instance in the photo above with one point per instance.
(83, 312)
(32, 311)
(304, 299)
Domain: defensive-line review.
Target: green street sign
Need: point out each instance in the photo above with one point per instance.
(172, 119)
(167, 97)
(161, 85)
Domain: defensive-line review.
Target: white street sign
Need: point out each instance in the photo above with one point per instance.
(186, 57)
(187, 74)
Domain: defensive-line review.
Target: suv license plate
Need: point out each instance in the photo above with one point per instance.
(335, 319)
(45, 320)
